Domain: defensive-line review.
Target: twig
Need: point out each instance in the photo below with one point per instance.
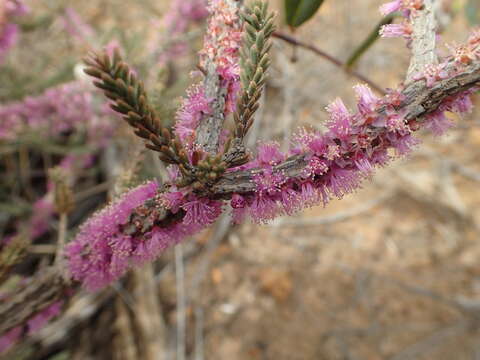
(432, 341)
(125, 340)
(222, 229)
(199, 351)
(181, 302)
(94, 190)
(151, 326)
(62, 234)
(42, 249)
(294, 41)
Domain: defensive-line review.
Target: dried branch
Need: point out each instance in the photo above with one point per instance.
(151, 327)
(423, 39)
(210, 127)
(420, 100)
(43, 290)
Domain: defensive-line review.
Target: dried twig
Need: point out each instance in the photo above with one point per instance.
(44, 289)
(294, 41)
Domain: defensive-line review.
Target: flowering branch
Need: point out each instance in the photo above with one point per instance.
(319, 166)
(221, 70)
(142, 223)
(419, 101)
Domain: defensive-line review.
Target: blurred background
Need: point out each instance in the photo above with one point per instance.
(390, 272)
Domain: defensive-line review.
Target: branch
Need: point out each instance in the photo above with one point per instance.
(43, 290)
(294, 41)
(420, 100)
(210, 127)
(424, 39)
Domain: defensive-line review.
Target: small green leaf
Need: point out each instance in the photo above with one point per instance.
(369, 41)
(299, 11)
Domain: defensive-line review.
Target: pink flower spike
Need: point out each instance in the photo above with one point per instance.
(340, 118)
(390, 7)
(8, 339)
(474, 38)
(396, 30)
(438, 123)
(270, 154)
(100, 241)
(201, 211)
(367, 101)
(432, 74)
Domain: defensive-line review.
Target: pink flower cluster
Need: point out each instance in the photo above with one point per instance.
(33, 325)
(194, 107)
(103, 251)
(222, 44)
(177, 21)
(55, 112)
(408, 8)
(76, 26)
(59, 111)
(221, 47)
(9, 9)
(354, 144)
(182, 13)
(223, 38)
(341, 158)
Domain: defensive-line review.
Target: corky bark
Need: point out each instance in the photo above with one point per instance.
(424, 39)
(210, 127)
